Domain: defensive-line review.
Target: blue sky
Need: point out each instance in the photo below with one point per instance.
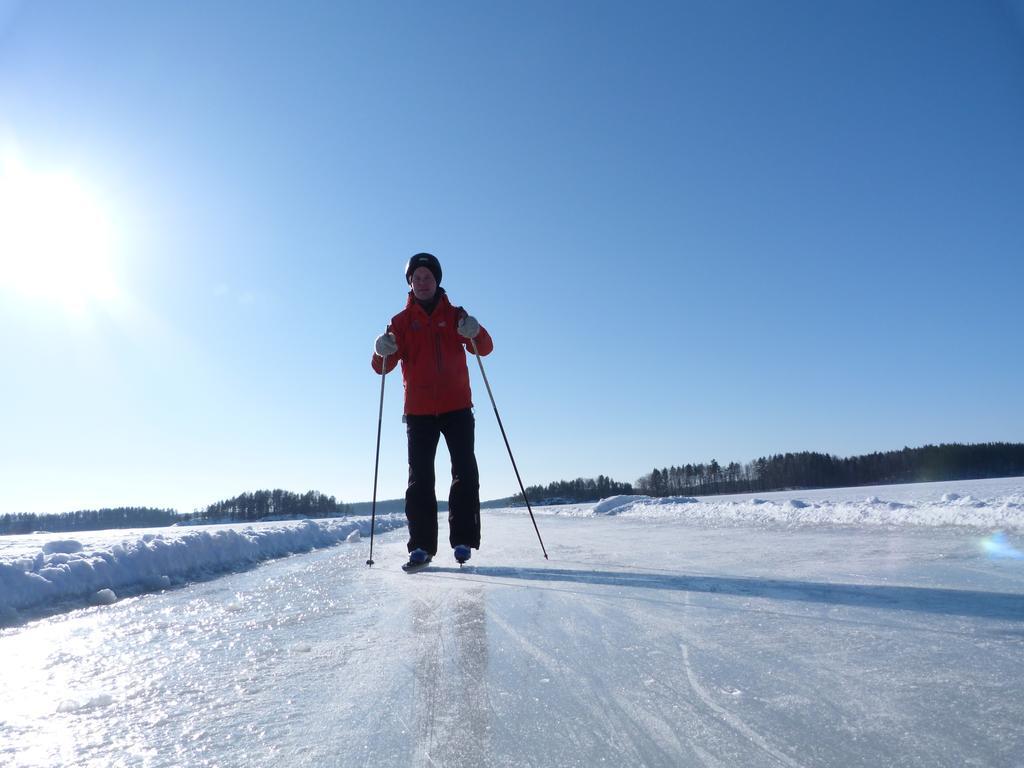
(695, 230)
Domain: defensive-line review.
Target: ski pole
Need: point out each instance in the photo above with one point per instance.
(507, 446)
(376, 461)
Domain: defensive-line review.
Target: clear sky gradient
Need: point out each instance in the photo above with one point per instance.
(695, 230)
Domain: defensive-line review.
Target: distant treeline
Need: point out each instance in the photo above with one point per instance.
(929, 463)
(88, 520)
(784, 471)
(580, 489)
(258, 505)
(246, 507)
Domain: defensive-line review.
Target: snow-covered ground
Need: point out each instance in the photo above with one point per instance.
(856, 627)
(978, 503)
(47, 572)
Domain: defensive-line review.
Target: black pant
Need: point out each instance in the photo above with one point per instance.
(464, 496)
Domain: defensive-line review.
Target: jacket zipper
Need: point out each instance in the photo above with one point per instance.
(437, 357)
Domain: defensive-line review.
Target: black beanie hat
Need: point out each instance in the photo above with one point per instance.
(427, 260)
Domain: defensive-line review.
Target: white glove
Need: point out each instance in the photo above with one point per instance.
(385, 345)
(468, 327)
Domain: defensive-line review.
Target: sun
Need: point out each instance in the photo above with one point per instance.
(56, 238)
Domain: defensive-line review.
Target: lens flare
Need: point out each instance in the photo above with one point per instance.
(998, 547)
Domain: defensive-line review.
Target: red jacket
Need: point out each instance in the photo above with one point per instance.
(433, 356)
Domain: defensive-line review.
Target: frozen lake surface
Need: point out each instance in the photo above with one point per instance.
(646, 640)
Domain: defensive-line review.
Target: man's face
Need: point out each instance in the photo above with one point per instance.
(424, 286)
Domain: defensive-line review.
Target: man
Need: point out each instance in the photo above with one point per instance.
(431, 338)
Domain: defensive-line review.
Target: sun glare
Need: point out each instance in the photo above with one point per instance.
(56, 238)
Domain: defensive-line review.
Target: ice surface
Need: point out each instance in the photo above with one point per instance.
(646, 640)
(85, 701)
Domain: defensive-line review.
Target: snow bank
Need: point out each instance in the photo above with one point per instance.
(984, 504)
(615, 504)
(63, 571)
(62, 546)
